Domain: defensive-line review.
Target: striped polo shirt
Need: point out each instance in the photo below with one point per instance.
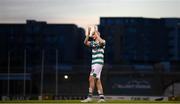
(97, 53)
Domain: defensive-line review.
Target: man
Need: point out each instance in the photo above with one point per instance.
(97, 45)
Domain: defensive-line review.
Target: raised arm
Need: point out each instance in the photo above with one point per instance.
(86, 42)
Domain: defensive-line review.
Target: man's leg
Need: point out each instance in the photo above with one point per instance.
(100, 90)
(99, 84)
(91, 85)
(91, 89)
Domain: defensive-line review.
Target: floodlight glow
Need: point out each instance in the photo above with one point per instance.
(66, 77)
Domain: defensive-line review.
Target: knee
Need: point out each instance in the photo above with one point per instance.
(91, 79)
(98, 81)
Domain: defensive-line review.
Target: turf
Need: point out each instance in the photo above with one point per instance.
(94, 102)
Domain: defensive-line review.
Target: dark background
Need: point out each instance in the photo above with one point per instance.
(141, 57)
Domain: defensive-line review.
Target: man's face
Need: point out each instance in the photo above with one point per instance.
(94, 36)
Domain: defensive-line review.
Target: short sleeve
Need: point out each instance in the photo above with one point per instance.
(92, 44)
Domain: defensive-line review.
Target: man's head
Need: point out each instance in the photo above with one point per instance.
(95, 35)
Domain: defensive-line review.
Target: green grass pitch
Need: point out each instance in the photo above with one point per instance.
(78, 102)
